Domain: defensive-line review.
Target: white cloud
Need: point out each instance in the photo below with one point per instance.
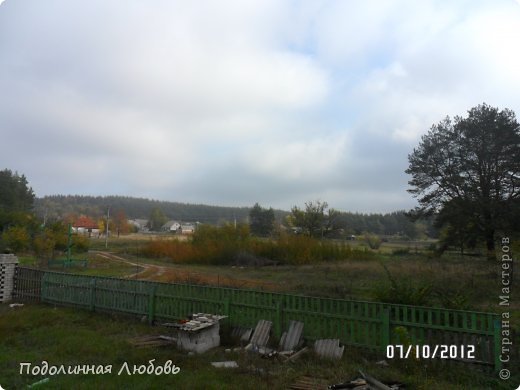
(441, 70)
(219, 102)
(304, 160)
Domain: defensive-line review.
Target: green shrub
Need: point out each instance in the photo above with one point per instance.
(80, 244)
(402, 336)
(16, 239)
(402, 291)
(400, 251)
(456, 298)
(373, 241)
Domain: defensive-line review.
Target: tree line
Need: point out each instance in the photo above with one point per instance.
(317, 220)
(262, 220)
(57, 206)
(21, 230)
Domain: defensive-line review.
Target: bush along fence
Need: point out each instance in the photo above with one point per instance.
(370, 325)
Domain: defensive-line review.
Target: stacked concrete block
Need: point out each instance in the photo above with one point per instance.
(199, 334)
(8, 263)
(199, 341)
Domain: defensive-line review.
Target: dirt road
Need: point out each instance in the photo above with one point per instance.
(171, 274)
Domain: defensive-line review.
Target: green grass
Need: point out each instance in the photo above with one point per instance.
(100, 266)
(34, 333)
(75, 337)
(96, 265)
(454, 281)
(28, 260)
(476, 280)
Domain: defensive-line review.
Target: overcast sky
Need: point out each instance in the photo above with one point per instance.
(236, 102)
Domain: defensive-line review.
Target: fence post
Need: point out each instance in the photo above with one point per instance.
(385, 324)
(151, 304)
(278, 319)
(497, 343)
(227, 304)
(16, 282)
(43, 286)
(8, 263)
(93, 294)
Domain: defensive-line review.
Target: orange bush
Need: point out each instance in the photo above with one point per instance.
(212, 245)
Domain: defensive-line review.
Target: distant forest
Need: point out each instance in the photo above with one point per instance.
(59, 206)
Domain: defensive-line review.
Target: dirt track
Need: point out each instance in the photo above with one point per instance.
(172, 273)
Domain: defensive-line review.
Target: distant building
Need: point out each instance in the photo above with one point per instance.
(187, 228)
(171, 226)
(296, 230)
(140, 224)
(179, 227)
(85, 225)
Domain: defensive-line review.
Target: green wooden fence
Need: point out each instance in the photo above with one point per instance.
(365, 324)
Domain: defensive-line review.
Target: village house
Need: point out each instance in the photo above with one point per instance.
(86, 226)
(140, 224)
(179, 227)
(171, 226)
(187, 228)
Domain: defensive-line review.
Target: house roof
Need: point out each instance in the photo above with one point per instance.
(85, 222)
(170, 223)
(138, 221)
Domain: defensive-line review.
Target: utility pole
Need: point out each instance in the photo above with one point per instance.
(137, 264)
(69, 243)
(106, 233)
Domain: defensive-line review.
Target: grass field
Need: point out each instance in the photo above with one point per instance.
(68, 337)
(399, 271)
(404, 271)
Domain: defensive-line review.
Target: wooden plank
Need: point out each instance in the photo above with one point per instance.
(374, 383)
